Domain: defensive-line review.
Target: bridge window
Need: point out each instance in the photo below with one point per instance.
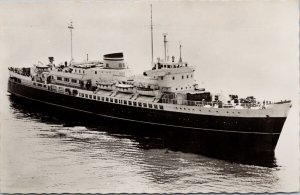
(111, 100)
(86, 95)
(107, 99)
(129, 103)
(140, 104)
(94, 97)
(150, 105)
(116, 101)
(102, 99)
(90, 96)
(155, 106)
(145, 105)
(98, 98)
(161, 107)
(134, 103)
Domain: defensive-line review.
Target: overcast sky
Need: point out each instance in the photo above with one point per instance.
(241, 47)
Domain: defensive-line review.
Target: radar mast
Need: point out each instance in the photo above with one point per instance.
(71, 28)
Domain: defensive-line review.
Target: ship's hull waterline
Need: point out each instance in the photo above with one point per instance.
(204, 132)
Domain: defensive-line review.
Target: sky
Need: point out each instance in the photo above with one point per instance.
(238, 47)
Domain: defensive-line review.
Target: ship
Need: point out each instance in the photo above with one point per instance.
(164, 99)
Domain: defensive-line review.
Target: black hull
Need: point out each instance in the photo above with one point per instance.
(203, 133)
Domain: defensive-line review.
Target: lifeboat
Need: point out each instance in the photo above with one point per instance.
(147, 91)
(105, 85)
(125, 88)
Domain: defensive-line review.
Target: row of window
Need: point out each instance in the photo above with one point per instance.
(187, 76)
(170, 66)
(121, 65)
(40, 85)
(124, 102)
(67, 80)
(79, 71)
(185, 88)
(201, 110)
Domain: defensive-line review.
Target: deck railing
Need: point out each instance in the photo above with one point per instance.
(216, 104)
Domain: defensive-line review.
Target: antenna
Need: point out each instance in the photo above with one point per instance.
(151, 37)
(180, 59)
(71, 28)
(165, 45)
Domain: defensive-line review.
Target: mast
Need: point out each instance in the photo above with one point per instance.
(151, 37)
(71, 28)
(165, 45)
(180, 59)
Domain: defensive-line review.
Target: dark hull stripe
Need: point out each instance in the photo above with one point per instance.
(161, 124)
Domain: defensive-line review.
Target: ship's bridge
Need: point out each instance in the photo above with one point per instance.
(168, 65)
(174, 76)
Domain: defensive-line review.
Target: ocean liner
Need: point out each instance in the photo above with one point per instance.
(164, 98)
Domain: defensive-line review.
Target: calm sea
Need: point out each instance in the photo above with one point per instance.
(42, 151)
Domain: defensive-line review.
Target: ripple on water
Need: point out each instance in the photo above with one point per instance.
(47, 153)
